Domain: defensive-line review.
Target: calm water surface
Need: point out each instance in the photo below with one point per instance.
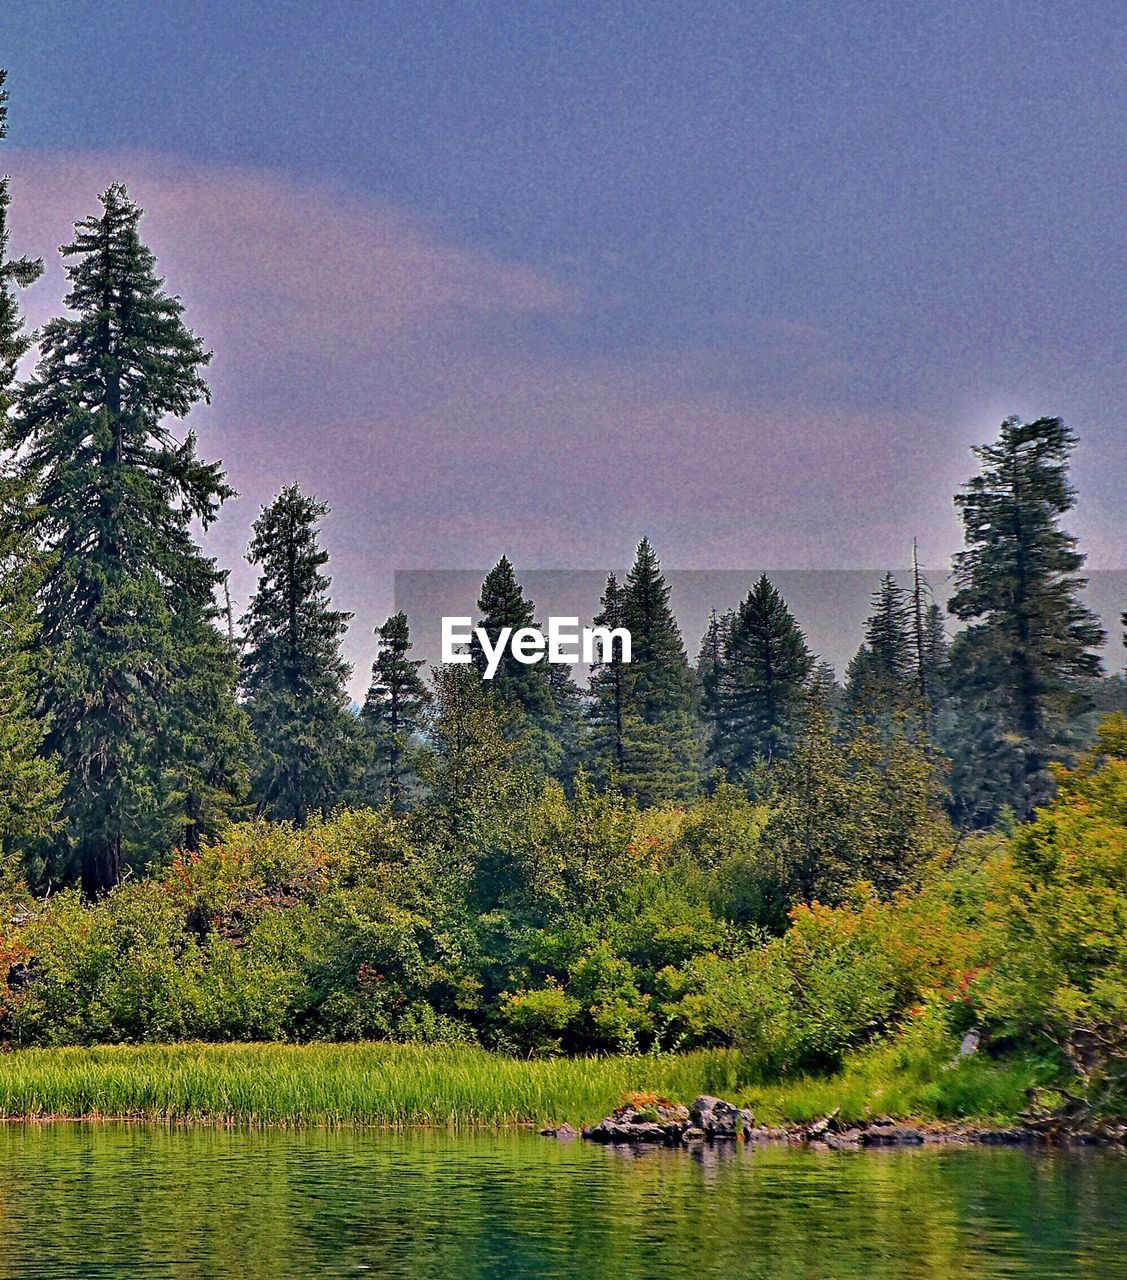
(141, 1201)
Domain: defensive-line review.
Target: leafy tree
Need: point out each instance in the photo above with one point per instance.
(127, 591)
(1020, 668)
(1057, 946)
(765, 666)
(846, 809)
(293, 675)
(395, 706)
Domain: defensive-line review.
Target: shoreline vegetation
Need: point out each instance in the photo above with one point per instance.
(406, 1086)
(814, 886)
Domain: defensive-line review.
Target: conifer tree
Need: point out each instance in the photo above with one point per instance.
(293, 675)
(888, 630)
(661, 743)
(710, 667)
(526, 687)
(127, 590)
(395, 706)
(29, 783)
(765, 667)
(881, 678)
(606, 706)
(472, 743)
(935, 651)
(1022, 664)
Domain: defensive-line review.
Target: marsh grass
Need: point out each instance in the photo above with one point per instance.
(336, 1084)
(402, 1085)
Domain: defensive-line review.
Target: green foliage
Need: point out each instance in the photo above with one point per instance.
(763, 668)
(393, 709)
(1057, 947)
(542, 696)
(126, 595)
(657, 739)
(1020, 670)
(292, 673)
(849, 808)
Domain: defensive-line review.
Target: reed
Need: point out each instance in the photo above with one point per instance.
(341, 1084)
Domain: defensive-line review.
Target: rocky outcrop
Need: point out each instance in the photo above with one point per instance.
(710, 1121)
(716, 1118)
(671, 1124)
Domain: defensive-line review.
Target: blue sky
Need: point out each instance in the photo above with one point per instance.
(538, 278)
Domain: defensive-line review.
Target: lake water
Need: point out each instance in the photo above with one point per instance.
(144, 1201)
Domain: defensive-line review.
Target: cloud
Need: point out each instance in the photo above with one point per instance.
(414, 384)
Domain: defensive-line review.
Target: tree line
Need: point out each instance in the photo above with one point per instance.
(138, 715)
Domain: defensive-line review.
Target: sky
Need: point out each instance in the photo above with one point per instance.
(748, 278)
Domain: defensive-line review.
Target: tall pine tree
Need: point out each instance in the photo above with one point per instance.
(764, 671)
(128, 593)
(544, 704)
(29, 783)
(1021, 665)
(606, 702)
(395, 707)
(710, 670)
(293, 675)
(881, 679)
(661, 740)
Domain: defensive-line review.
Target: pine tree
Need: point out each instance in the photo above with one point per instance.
(661, 744)
(473, 740)
(1020, 668)
(526, 687)
(881, 678)
(935, 651)
(293, 675)
(606, 706)
(29, 783)
(888, 631)
(115, 495)
(710, 668)
(395, 706)
(765, 667)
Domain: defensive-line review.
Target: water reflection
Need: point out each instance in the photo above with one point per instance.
(141, 1201)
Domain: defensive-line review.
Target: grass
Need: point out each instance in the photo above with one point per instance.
(892, 1080)
(332, 1084)
(400, 1085)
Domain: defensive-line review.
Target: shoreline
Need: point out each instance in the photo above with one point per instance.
(397, 1087)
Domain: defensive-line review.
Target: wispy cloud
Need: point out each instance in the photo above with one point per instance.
(407, 380)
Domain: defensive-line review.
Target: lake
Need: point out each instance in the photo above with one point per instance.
(85, 1201)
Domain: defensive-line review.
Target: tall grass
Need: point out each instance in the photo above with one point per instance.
(334, 1084)
(386, 1084)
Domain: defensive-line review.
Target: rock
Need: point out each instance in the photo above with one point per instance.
(563, 1131)
(671, 1123)
(828, 1124)
(891, 1136)
(720, 1119)
(846, 1140)
(661, 1121)
(1003, 1137)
